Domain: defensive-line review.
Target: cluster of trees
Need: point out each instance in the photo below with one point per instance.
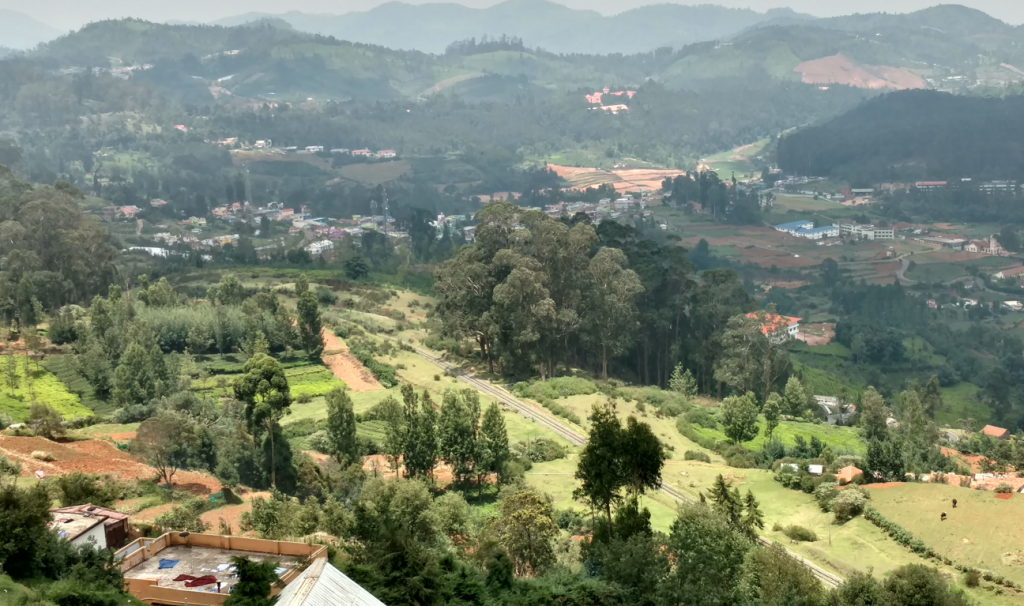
(121, 342)
(418, 436)
(52, 253)
(727, 203)
(910, 136)
(533, 293)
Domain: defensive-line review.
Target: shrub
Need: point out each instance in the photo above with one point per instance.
(304, 398)
(696, 455)
(78, 488)
(559, 387)
(561, 411)
(184, 517)
(9, 467)
(799, 533)
(849, 504)
(42, 455)
(702, 418)
(825, 494)
(972, 578)
(384, 373)
(437, 377)
(1004, 488)
(539, 450)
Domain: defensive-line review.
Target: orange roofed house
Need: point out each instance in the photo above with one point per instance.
(847, 474)
(779, 328)
(996, 432)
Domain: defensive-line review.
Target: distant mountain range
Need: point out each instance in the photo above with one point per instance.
(539, 23)
(20, 32)
(275, 57)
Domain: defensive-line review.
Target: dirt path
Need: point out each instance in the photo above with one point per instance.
(345, 366)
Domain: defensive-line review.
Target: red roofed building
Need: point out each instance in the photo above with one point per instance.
(996, 432)
(776, 326)
(847, 474)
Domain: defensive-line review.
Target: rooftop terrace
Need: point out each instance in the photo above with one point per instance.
(154, 568)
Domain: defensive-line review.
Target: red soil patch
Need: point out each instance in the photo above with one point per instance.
(318, 457)
(1004, 495)
(148, 515)
(345, 366)
(95, 457)
(231, 514)
(379, 466)
(837, 69)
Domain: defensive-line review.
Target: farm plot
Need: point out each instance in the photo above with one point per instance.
(24, 382)
(980, 532)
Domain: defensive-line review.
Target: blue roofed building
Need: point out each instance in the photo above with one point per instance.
(794, 226)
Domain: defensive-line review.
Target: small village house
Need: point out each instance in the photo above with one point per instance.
(995, 432)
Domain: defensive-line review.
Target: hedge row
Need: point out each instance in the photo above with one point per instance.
(907, 539)
(384, 373)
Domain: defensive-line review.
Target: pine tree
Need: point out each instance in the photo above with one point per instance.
(727, 502)
(341, 427)
(310, 327)
(772, 411)
(931, 397)
(682, 382)
(301, 285)
(753, 519)
(493, 447)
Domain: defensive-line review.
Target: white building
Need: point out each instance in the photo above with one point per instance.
(314, 148)
(867, 232)
(318, 248)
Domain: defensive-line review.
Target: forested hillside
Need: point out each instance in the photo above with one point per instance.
(913, 135)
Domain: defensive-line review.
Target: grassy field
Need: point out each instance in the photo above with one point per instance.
(962, 401)
(20, 388)
(982, 531)
(841, 440)
(375, 174)
(936, 272)
(555, 479)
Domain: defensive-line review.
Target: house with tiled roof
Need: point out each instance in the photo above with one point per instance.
(995, 432)
(848, 473)
(779, 327)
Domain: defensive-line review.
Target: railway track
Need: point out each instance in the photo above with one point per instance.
(503, 397)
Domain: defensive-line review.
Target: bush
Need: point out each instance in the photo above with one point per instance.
(561, 411)
(384, 373)
(539, 450)
(799, 533)
(702, 417)
(696, 455)
(552, 389)
(849, 504)
(42, 455)
(1004, 488)
(972, 578)
(184, 517)
(825, 494)
(304, 398)
(78, 488)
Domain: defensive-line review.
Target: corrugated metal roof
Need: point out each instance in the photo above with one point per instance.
(324, 585)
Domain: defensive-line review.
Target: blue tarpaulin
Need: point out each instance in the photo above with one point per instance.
(168, 564)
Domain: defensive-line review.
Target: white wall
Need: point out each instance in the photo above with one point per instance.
(97, 532)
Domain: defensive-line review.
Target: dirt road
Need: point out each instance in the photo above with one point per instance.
(345, 366)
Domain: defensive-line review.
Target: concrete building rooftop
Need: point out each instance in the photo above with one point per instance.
(70, 526)
(203, 561)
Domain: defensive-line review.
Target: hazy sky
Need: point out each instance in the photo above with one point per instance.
(68, 14)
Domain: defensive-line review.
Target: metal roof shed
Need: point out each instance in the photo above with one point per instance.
(321, 584)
